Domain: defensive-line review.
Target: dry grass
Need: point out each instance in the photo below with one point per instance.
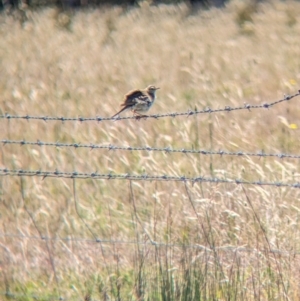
(81, 66)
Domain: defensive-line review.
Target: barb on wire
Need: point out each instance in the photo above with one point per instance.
(207, 110)
(146, 243)
(149, 149)
(144, 177)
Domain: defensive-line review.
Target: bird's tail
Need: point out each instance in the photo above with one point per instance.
(122, 110)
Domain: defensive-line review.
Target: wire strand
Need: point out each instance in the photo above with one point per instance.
(207, 110)
(168, 150)
(144, 177)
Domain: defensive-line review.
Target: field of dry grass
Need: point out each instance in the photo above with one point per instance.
(217, 241)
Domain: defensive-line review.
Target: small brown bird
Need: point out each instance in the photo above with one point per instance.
(139, 101)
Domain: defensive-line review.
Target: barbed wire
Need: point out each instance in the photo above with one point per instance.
(148, 243)
(207, 110)
(169, 149)
(143, 177)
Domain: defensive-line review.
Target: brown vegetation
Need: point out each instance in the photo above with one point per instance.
(81, 64)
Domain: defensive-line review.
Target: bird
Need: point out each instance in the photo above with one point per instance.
(138, 101)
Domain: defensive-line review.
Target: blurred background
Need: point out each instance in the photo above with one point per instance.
(143, 229)
(76, 3)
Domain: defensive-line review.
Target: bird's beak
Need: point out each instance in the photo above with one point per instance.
(157, 88)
